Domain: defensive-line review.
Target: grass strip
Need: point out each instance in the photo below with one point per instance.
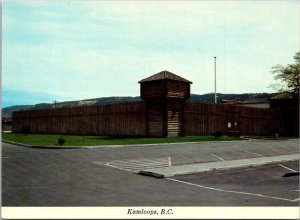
(75, 140)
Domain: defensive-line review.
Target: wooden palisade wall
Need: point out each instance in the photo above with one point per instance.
(204, 119)
(134, 119)
(126, 119)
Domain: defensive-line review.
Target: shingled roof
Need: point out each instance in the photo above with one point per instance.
(164, 75)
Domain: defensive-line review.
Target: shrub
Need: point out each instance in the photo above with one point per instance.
(61, 141)
(216, 134)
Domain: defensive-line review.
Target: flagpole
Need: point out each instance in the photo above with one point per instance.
(215, 80)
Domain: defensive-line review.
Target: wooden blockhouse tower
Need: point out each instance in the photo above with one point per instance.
(165, 94)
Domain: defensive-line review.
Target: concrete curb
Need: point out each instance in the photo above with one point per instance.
(162, 144)
(270, 138)
(178, 143)
(220, 165)
(127, 145)
(40, 146)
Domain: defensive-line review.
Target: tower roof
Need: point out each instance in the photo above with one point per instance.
(164, 75)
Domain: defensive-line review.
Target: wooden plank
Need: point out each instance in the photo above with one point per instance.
(130, 119)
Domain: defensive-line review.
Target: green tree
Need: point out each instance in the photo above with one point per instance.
(288, 76)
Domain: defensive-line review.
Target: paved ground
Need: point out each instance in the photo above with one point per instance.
(105, 176)
(252, 184)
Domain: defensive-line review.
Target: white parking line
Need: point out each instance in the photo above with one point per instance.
(218, 157)
(278, 164)
(5, 157)
(287, 168)
(254, 153)
(236, 192)
(170, 162)
(136, 165)
(140, 160)
(106, 164)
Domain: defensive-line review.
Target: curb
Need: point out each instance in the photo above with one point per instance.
(172, 143)
(270, 138)
(152, 174)
(40, 146)
(179, 143)
(127, 145)
(213, 169)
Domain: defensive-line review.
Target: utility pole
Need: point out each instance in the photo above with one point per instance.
(55, 104)
(215, 80)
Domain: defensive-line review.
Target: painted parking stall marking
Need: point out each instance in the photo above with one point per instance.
(232, 191)
(254, 153)
(136, 165)
(288, 168)
(278, 164)
(218, 157)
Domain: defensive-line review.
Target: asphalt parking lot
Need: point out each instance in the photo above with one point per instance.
(107, 176)
(260, 182)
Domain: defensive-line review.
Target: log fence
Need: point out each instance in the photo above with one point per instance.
(130, 119)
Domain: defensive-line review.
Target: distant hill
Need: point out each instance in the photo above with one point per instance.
(210, 97)
(9, 110)
(96, 101)
(206, 98)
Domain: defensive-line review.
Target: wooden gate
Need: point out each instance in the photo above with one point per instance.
(174, 118)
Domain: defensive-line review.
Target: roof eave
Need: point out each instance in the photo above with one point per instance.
(187, 81)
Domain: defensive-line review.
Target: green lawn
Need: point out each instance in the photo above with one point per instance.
(74, 140)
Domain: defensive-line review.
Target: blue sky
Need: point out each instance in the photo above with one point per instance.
(70, 50)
